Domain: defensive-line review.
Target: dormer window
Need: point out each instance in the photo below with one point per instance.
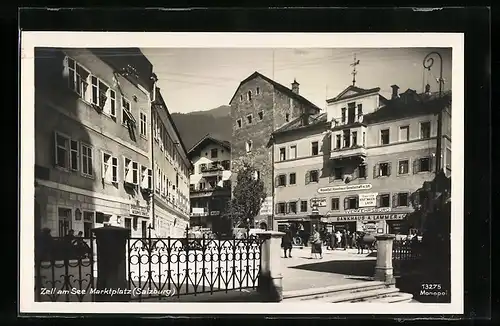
(238, 122)
(249, 146)
(258, 91)
(241, 98)
(249, 95)
(287, 117)
(249, 119)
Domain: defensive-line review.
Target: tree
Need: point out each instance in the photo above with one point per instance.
(248, 196)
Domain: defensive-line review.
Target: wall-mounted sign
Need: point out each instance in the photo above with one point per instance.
(318, 202)
(139, 211)
(325, 190)
(368, 218)
(267, 206)
(214, 213)
(368, 200)
(368, 210)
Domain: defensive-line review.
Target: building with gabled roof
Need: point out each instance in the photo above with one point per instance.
(210, 182)
(260, 106)
(362, 163)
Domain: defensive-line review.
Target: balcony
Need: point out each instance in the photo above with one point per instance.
(212, 170)
(210, 192)
(348, 152)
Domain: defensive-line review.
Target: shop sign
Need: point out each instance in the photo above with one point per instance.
(368, 210)
(368, 200)
(215, 213)
(197, 211)
(325, 190)
(369, 218)
(139, 211)
(318, 202)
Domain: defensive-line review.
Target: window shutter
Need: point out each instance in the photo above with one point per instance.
(378, 201)
(346, 203)
(284, 179)
(375, 171)
(287, 208)
(416, 166)
(395, 200)
(54, 148)
(389, 169)
(276, 181)
(276, 209)
(308, 177)
(103, 170)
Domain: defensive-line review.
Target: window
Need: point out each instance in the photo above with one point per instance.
(74, 155)
(238, 122)
(384, 137)
(337, 173)
(77, 77)
(249, 95)
(249, 146)
(249, 119)
(282, 154)
(382, 170)
(292, 206)
(62, 150)
(65, 219)
(99, 92)
(287, 117)
(144, 228)
(261, 115)
(293, 152)
(351, 202)
(335, 204)
(354, 138)
(257, 175)
(144, 125)
(423, 164)
(448, 158)
(404, 133)
(87, 168)
(214, 153)
(338, 141)
(131, 171)
(401, 199)
(280, 208)
(312, 176)
(203, 167)
(362, 171)
(126, 113)
(226, 165)
(314, 148)
(303, 206)
(146, 178)
(164, 185)
(293, 178)
(425, 130)
(343, 115)
(128, 223)
(351, 112)
(360, 110)
(281, 180)
(403, 167)
(88, 223)
(241, 98)
(347, 138)
(258, 90)
(383, 200)
(109, 168)
(191, 187)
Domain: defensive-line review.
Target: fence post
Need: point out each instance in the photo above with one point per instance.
(270, 277)
(111, 263)
(383, 270)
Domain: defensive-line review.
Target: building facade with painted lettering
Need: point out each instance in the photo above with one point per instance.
(171, 167)
(91, 148)
(210, 182)
(376, 153)
(259, 106)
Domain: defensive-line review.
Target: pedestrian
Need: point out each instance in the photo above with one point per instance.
(286, 243)
(338, 237)
(316, 243)
(332, 240)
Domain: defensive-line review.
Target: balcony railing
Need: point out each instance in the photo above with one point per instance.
(352, 151)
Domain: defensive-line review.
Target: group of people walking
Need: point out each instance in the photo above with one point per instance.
(70, 246)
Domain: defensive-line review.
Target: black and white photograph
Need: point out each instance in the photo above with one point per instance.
(290, 175)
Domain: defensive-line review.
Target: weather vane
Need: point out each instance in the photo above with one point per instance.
(354, 72)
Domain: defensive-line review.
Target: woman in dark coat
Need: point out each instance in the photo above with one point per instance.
(286, 243)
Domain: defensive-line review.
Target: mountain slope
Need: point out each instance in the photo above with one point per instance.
(194, 125)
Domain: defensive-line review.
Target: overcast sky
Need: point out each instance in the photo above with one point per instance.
(202, 79)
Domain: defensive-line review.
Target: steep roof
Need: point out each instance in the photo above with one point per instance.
(353, 91)
(287, 91)
(159, 101)
(409, 104)
(298, 123)
(206, 140)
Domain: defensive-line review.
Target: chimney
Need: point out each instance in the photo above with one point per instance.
(295, 87)
(427, 89)
(395, 89)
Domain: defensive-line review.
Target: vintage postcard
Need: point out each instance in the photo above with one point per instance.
(211, 173)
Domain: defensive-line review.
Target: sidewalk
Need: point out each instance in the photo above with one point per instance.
(337, 267)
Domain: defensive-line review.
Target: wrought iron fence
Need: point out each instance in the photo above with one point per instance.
(164, 267)
(65, 269)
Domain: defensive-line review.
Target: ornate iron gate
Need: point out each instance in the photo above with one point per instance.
(65, 269)
(158, 268)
